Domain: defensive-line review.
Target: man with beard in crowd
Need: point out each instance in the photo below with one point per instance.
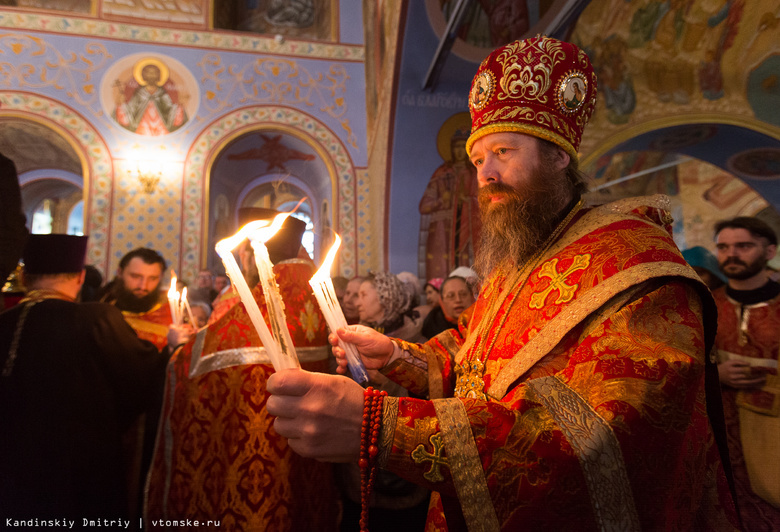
(136, 292)
(574, 396)
(748, 347)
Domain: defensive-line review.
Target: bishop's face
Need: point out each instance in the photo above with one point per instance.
(523, 191)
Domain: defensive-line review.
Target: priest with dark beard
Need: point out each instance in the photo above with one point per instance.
(136, 292)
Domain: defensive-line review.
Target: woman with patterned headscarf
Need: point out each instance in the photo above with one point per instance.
(385, 304)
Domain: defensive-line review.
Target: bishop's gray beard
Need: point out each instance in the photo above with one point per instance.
(515, 229)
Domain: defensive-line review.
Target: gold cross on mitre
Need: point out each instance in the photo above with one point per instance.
(420, 455)
(558, 281)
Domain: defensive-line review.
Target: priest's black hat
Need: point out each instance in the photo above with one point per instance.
(286, 243)
(55, 253)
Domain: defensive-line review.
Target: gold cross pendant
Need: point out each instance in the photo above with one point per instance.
(469, 383)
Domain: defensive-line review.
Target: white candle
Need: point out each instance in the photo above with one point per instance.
(322, 285)
(225, 251)
(273, 299)
(186, 304)
(173, 300)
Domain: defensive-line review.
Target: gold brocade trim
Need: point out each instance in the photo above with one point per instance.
(465, 466)
(8, 367)
(142, 325)
(241, 356)
(128, 314)
(517, 127)
(605, 215)
(588, 302)
(389, 420)
(598, 451)
(435, 377)
(44, 293)
(448, 342)
(435, 369)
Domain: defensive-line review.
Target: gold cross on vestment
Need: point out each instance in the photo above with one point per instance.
(558, 281)
(420, 455)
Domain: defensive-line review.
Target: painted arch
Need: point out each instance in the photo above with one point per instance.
(206, 148)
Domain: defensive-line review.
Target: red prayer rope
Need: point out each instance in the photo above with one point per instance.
(369, 434)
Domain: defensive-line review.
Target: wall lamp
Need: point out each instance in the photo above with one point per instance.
(147, 175)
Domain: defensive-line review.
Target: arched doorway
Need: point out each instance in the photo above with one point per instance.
(273, 167)
(50, 175)
(90, 164)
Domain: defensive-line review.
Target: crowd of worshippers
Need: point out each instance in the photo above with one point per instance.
(572, 380)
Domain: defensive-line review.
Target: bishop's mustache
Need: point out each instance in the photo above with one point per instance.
(734, 260)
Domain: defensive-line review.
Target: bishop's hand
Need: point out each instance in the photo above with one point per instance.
(319, 414)
(375, 348)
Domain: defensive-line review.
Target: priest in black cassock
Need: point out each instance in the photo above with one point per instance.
(74, 375)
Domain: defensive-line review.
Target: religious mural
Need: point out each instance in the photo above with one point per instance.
(192, 13)
(450, 222)
(307, 19)
(759, 163)
(701, 194)
(273, 153)
(672, 55)
(150, 95)
(73, 6)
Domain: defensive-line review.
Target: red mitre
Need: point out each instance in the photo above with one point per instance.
(541, 87)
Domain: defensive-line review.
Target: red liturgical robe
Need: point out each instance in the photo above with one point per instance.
(217, 454)
(573, 397)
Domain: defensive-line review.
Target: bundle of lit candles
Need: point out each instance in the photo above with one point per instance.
(279, 345)
(322, 285)
(282, 354)
(179, 303)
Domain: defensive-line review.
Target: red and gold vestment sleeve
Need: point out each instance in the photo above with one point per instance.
(426, 370)
(601, 443)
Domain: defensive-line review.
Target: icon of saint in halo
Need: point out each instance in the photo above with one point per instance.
(150, 103)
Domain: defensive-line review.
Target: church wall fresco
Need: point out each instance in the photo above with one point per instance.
(184, 13)
(205, 85)
(299, 19)
(701, 194)
(685, 57)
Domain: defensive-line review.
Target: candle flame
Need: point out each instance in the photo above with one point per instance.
(173, 293)
(184, 294)
(264, 234)
(227, 245)
(323, 274)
